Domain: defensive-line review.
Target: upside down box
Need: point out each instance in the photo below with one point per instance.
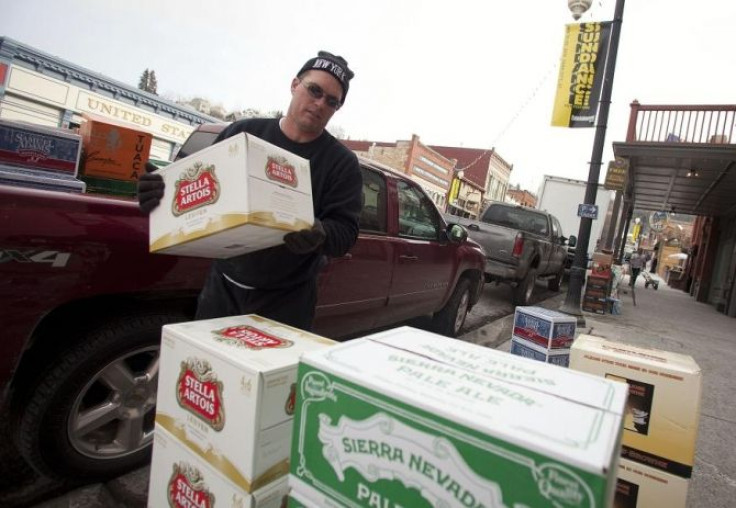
(527, 349)
(408, 418)
(236, 196)
(641, 486)
(226, 390)
(663, 408)
(180, 478)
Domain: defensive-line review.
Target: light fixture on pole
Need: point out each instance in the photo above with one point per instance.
(580, 262)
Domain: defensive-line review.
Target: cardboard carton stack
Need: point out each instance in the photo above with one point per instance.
(226, 397)
(40, 157)
(661, 420)
(543, 334)
(409, 418)
(236, 196)
(114, 155)
(598, 284)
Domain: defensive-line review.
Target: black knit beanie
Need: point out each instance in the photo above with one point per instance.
(337, 66)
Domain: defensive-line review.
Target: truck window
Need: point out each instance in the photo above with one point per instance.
(517, 218)
(194, 143)
(418, 218)
(373, 214)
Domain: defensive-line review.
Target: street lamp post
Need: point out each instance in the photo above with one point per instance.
(579, 266)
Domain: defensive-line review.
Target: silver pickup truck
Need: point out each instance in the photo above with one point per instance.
(521, 244)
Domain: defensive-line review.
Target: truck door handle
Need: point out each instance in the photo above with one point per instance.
(474, 227)
(405, 257)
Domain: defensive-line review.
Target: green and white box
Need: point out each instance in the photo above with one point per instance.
(407, 418)
(227, 390)
(179, 478)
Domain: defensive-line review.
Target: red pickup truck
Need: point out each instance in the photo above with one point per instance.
(82, 302)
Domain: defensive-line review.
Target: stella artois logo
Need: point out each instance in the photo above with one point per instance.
(199, 392)
(279, 170)
(291, 400)
(187, 488)
(250, 337)
(197, 187)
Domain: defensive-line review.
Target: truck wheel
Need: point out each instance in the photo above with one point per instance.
(91, 414)
(524, 289)
(555, 283)
(451, 318)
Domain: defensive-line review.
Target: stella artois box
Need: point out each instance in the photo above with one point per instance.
(226, 390)
(181, 479)
(236, 196)
(663, 408)
(641, 486)
(430, 421)
(549, 329)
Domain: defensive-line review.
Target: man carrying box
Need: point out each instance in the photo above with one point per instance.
(280, 282)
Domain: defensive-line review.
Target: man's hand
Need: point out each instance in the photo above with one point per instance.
(150, 189)
(306, 240)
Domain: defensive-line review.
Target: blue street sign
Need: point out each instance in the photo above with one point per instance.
(588, 211)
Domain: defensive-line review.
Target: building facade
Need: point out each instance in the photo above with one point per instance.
(39, 88)
(521, 197)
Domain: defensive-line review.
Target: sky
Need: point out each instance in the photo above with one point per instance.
(478, 74)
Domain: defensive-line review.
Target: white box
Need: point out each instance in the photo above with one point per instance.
(408, 418)
(236, 196)
(181, 478)
(528, 349)
(226, 389)
(663, 408)
(640, 486)
(546, 328)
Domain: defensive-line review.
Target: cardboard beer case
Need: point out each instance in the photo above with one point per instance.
(226, 390)
(528, 349)
(180, 478)
(112, 150)
(547, 328)
(663, 408)
(408, 418)
(641, 486)
(601, 266)
(236, 196)
(40, 148)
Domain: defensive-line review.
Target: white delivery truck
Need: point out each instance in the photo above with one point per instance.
(561, 196)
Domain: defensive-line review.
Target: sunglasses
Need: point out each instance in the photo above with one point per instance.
(317, 93)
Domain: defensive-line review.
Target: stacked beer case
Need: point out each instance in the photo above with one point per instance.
(409, 418)
(226, 399)
(543, 334)
(661, 419)
(39, 157)
(598, 284)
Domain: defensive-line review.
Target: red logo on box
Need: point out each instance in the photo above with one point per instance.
(197, 187)
(200, 392)
(250, 337)
(291, 400)
(279, 170)
(187, 488)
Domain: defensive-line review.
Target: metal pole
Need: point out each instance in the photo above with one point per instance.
(579, 265)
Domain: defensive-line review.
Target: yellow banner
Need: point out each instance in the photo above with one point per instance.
(579, 82)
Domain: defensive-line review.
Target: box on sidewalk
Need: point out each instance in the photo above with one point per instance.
(528, 349)
(547, 328)
(236, 196)
(180, 478)
(114, 151)
(409, 418)
(602, 265)
(227, 391)
(663, 408)
(641, 486)
(38, 147)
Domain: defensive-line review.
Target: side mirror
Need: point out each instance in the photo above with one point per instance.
(572, 241)
(457, 233)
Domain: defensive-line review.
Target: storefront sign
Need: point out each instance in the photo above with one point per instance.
(618, 170)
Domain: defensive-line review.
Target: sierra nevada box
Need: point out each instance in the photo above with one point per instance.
(236, 196)
(226, 390)
(406, 418)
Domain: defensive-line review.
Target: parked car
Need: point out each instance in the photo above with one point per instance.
(82, 302)
(521, 244)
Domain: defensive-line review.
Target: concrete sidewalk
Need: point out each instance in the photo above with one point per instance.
(664, 319)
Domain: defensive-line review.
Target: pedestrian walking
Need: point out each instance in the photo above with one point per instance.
(636, 264)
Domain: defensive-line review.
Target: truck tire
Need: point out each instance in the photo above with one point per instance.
(451, 318)
(554, 283)
(91, 414)
(524, 289)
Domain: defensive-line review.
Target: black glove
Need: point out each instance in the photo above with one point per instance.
(306, 240)
(150, 189)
